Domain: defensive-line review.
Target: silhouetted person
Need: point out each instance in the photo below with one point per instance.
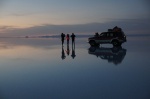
(73, 39)
(68, 50)
(63, 54)
(73, 52)
(62, 38)
(117, 29)
(96, 34)
(68, 38)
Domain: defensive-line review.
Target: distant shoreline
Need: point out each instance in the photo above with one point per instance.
(77, 36)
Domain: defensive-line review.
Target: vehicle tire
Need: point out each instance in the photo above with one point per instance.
(92, 43)
(97, 45)
(116, 43)
(92, 49)
(116, 49)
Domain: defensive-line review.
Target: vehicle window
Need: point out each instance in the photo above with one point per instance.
(108, 35)
(111, 34)
(103, 35)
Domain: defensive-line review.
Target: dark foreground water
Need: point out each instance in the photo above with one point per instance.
(43, 69)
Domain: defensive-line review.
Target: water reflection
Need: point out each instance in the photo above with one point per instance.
(73, 51)
(73, 54)
(63, 56)
(68, 49)
(32, 66)
(113, 55)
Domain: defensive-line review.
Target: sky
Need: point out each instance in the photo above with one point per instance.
(37, 17)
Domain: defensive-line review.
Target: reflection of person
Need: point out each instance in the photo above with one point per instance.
(62, 38)
(73, 52)
(63, 54)
(68, 50)
(67, 37)
(73, 38)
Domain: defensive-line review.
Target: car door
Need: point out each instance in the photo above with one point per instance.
(110, 36)
(106, 37)
(102, 38)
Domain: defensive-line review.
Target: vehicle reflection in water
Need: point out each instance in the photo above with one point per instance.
(114, 55)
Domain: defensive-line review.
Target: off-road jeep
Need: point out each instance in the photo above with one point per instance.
(116, 38)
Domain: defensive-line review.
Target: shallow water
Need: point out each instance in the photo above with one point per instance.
(35, 68)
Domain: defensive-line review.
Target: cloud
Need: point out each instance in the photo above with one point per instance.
(130, 26)
(5, 28)
(21, 14)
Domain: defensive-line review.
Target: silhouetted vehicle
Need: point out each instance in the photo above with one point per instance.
(114, 36)
(114, 54)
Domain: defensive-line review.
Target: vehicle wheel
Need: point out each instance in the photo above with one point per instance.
(92, 49)
(92, 43)
(116, 49)
(116, 43)
(98, 45)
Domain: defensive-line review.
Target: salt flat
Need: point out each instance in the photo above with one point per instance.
(40, 68)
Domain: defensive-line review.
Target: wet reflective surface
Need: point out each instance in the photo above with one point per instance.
(114, 54)
(36, 68)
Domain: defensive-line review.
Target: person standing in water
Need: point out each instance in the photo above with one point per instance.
(62, 38)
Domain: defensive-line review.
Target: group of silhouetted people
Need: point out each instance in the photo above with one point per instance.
(67, 37)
